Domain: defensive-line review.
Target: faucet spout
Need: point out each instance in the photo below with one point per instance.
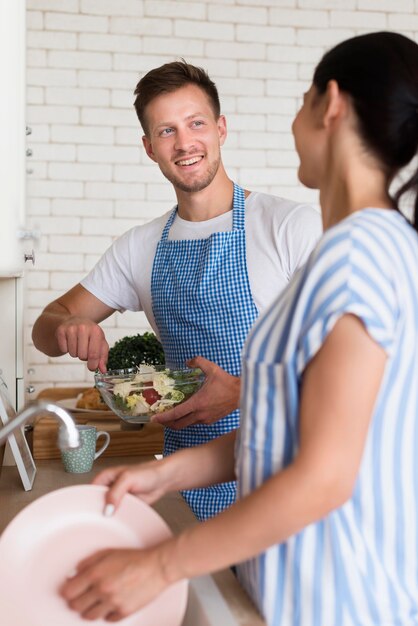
(68, 435)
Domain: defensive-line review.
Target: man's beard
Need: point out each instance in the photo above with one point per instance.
(198, 184)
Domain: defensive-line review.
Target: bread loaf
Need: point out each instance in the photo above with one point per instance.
(91, 399)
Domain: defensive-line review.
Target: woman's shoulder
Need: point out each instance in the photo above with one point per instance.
(378, 229)
(375, 246)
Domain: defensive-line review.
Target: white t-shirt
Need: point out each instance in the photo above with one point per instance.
(280, 234)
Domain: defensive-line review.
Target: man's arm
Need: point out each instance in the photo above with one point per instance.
(71, 324)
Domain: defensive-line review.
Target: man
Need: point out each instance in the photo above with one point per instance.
(201, 273)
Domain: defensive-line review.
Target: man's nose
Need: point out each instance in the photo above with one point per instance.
(184, 139)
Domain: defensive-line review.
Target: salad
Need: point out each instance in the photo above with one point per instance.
(153, 390)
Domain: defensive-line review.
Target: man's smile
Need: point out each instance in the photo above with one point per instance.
(190, 161)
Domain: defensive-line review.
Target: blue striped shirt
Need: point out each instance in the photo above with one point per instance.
(359, 565)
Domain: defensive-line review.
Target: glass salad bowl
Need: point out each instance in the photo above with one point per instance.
(136, 394)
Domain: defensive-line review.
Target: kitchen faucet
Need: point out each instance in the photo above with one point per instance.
(68, 435)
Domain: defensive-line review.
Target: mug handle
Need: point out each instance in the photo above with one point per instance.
(104, 446)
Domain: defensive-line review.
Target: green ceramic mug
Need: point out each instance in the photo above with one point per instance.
(81, 460)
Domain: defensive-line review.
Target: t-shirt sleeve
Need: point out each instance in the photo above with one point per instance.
(299, 234)
(347, 276)
(111, 279)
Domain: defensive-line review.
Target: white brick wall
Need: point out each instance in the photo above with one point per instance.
(91, 180)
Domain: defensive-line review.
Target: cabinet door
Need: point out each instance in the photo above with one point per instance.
(10, 360)
(11, 344)
(12, 133)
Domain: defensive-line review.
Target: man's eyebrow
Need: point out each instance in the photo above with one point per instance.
(189, 117)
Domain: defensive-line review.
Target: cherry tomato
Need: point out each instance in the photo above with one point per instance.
(150, 395)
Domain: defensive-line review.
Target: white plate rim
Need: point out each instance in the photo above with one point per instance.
(36, 507)
(70, 405)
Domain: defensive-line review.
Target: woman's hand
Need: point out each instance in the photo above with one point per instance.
(218, 396)
(190, 468)
(112, 584)
(145, 480)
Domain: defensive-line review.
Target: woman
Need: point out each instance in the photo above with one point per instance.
(326, 528)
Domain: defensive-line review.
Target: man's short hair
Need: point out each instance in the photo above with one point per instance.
(168, 78)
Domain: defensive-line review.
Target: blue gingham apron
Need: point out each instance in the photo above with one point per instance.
(203, 306)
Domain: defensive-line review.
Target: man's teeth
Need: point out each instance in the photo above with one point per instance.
(189, 161)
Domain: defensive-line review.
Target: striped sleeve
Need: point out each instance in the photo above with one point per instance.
(349, 273)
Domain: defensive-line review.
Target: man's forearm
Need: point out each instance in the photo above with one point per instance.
(43, 333)
(71, 324)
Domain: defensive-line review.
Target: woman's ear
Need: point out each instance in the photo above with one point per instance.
(336, 104)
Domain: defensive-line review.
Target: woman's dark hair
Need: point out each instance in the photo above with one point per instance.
(380, 73)
(168, 78)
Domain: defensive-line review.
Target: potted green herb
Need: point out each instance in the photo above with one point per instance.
(133, 350)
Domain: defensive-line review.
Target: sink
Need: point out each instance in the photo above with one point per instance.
(206, 605)
(214, 600)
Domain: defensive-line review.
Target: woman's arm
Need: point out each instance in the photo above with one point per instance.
(189, 468)
(339, 391)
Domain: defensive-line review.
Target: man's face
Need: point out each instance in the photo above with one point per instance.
(184, 137)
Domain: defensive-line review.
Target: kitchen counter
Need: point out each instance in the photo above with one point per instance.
(124, 441)
(173, 509)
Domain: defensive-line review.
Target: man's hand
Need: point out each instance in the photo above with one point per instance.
(70, 324)
(218, 396)
(83, 338)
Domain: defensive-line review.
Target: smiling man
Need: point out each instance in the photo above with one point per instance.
(202, 272)
(183, 137)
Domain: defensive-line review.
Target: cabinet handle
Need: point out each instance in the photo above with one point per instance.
(30, 257)
(28, 234)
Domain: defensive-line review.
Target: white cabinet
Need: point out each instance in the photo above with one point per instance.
(11, 343)
(11, 337)
(15, 239)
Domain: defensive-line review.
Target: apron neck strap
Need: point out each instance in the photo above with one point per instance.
(167, 227)
(238, 208)
(238, 213)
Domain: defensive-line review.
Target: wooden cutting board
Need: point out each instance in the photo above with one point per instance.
(146, 441)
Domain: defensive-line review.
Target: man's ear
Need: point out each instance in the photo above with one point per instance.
(222, 130)
(336, 104)
(148, 147)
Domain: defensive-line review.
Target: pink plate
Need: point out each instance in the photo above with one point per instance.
(42, 545)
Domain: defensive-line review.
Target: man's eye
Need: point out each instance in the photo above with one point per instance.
(166, 131)
(197, 123)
